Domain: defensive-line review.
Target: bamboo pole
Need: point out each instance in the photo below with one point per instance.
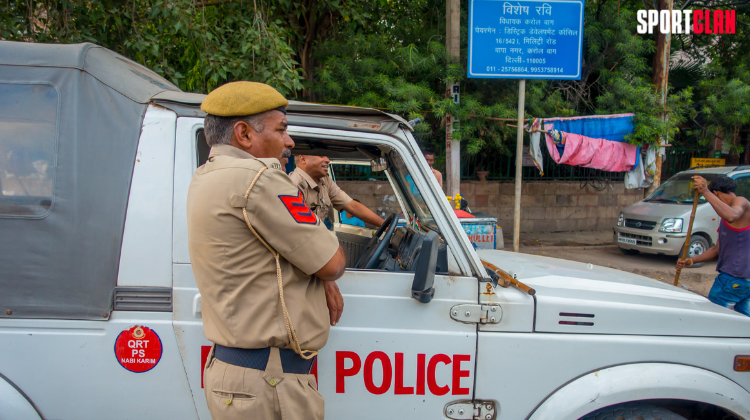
(690, 230)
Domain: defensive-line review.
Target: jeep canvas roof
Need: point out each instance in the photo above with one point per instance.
(101, 97)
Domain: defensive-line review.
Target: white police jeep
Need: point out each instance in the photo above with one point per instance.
(100, 316)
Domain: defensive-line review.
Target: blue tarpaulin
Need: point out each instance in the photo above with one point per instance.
(608, 127)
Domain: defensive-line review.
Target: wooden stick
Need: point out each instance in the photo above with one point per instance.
(690, 230)
(506, 280)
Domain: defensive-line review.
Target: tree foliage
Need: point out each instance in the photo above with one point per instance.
(390, 54)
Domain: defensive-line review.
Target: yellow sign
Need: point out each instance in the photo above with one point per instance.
(706, 162)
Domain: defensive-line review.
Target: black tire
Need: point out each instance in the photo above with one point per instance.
(629, 251)
(632, 411)
(697, 243)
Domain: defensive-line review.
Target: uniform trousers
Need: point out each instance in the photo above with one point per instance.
(237, 393)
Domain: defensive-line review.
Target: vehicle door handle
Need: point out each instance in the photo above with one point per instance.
(197, 306)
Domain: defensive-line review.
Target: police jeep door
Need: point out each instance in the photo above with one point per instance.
(390, 355)
(397, 351)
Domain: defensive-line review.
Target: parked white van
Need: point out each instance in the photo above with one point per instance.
(101, 317)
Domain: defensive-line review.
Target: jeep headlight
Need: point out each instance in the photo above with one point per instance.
(621, 220)
(671, 226)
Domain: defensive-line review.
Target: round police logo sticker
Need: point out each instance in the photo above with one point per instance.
(138, 349)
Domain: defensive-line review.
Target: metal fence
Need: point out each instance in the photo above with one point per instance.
(502, 167)
(678, 159)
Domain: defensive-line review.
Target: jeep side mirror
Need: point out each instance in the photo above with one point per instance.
(424, 276)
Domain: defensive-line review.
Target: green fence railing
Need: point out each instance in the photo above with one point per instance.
(503, 168)
(678, 159)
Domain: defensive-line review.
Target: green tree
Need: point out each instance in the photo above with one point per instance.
(196, 45)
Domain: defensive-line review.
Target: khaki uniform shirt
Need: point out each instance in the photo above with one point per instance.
(321, 195)
(235, 272)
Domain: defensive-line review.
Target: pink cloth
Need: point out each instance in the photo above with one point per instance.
(594, 153)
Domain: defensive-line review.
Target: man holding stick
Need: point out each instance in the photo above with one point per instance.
(732, 285)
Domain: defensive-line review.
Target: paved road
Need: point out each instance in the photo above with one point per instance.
(596, 248)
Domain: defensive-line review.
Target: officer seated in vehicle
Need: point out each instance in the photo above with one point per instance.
(320, 192)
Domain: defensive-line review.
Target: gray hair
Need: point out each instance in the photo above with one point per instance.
(219, 130)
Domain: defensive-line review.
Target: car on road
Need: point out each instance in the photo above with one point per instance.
(659, 223)
(101, 318)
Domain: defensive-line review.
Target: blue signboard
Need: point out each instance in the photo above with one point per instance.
(525, 39)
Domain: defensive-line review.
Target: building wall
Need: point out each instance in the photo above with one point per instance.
(546, 206)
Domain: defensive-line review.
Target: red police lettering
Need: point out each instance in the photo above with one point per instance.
(431, 382)
(420, 374)
(426, 373)
(400, 388)
(458, 374)
(385, 361)
(342, 372)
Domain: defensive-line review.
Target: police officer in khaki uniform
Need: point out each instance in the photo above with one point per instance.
(321, 193)
(264, 264)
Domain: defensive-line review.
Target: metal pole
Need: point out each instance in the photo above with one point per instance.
(519, 160)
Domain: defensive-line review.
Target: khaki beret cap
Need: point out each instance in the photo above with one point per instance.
(238, 99)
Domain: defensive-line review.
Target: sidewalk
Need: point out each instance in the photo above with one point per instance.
(576, 239)
(596, 247)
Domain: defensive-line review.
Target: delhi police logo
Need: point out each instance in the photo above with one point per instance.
(138, 333)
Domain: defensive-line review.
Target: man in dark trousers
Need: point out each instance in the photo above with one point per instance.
(731, 286)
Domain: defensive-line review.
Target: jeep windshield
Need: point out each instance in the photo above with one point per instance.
(411, 194)
(678, 190)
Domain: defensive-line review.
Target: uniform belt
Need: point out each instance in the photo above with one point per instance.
(291, 362)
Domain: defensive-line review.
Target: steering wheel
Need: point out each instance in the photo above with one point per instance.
(375, 251)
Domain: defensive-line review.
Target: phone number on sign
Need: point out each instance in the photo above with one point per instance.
(546, 70)
(514, 69)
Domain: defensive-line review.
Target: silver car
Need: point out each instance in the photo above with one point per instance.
(658, 224)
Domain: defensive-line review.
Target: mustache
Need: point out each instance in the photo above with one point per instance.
(287, 153)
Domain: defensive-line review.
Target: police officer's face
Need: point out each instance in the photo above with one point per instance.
(315, 166)
(272, 142)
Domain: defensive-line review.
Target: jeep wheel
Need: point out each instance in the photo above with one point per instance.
(632, 411)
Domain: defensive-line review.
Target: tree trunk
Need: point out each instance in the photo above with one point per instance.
(660, 82)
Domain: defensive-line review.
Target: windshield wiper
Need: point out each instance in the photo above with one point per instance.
(660, 200)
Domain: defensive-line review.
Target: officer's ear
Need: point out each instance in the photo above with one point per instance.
(243, 134)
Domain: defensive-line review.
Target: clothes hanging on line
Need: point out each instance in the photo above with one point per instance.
(642, 176)
(535, 128)
(594, 153)
(608, 127)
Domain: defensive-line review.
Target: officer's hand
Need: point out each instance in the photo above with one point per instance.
(334, 300)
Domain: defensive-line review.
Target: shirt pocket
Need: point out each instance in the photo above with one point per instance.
(232, 397)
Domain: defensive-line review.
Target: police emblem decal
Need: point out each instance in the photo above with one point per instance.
(138, 349)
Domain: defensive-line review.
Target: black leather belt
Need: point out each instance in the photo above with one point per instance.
(291, 362)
